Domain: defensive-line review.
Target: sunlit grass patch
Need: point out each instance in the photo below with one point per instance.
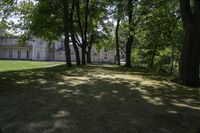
(11, 65)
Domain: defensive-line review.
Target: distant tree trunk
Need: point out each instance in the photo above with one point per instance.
(172, 61)
(130, 38)
(117, 41)
(160, 69)
(153, 55)
(189, 63)
(78, 61)
(66, 33)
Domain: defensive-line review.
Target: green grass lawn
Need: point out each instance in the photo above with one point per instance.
(93, 99)
(8, 65)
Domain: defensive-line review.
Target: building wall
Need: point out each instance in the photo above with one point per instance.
(9, 49)
(39, 50)
(4, 53)
(60, 56)
(103, 56)
(15, 53)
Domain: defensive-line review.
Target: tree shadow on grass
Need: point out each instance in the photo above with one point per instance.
(94, 99)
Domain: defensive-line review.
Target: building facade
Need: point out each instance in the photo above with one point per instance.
(39, 50)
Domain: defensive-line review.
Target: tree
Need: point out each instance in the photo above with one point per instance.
(50, 20)
(66, 32)
(190, 54)
(157, 30)
(119, 16)
(7, 7)
(130, 38)
(72, 32)
(83, 27)
(89, 16)
(117, 41)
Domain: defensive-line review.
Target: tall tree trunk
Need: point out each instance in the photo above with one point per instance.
(66, 33)
(76, 49)
(128, 51)
(83, 48)
(82, 31)
(172, 61)
(78, 61)
(130, 39)
(153, 55)
(89, 61)
(85, 33)
(89, 55)
(189, 64)
(117, 41)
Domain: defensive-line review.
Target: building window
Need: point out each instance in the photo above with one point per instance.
(105, 56)
(62, 44)
(38, 55)
(53, 45)
(10, 54)
(27, 54)
(19, 54)
(52, 56)
(60, 56)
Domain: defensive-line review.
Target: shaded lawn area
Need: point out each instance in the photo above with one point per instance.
(95, 99)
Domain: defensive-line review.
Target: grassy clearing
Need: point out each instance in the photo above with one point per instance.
(9, 65)
(95, 99)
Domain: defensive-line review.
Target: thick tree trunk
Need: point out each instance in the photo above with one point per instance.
(66, 33)
(130, 39)
(85, 33)
(89, 61)
(117, 42)
(83, 54)
(128, 51)
(78, 61)
(89, 55)
(189, 63)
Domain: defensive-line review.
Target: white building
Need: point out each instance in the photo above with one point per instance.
(39, 50)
